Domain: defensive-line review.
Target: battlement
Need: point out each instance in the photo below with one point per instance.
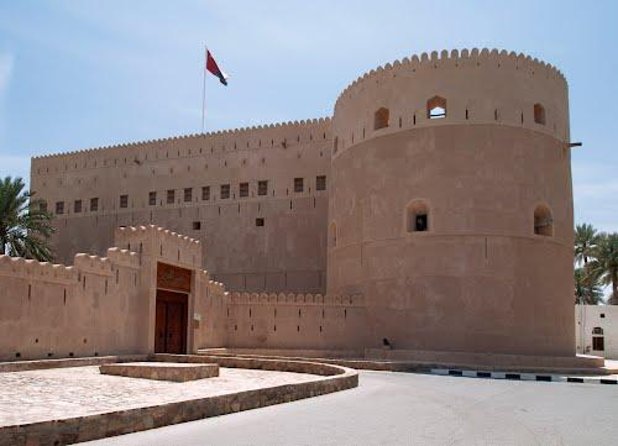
(93, 264)
(19, 267)
(295, 299)
(161, 243)
(456, 58)
(123, 257)
(267, 135)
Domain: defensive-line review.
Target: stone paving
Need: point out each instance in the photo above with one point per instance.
(39, 395)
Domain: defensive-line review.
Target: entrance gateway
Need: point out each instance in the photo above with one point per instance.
(172, 307)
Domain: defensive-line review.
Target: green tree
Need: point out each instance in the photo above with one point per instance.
(586, 239)
(605, 263)
(25, 227)
(587, 288)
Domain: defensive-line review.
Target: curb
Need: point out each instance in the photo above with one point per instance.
(523, 376)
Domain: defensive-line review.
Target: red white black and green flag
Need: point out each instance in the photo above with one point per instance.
(213, 68)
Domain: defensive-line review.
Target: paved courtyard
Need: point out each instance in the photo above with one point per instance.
(410, 409)
(38, 395)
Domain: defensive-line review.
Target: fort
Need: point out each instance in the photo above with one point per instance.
(431, 213)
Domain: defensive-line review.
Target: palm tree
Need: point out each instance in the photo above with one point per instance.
(586, 238)
(605, 263)
(587, 288)
(25, 225)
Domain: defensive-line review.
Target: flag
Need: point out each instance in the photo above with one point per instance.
(212, 67)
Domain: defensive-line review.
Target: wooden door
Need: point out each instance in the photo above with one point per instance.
(171, 322)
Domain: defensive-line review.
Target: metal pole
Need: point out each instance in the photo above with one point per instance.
(204, 87)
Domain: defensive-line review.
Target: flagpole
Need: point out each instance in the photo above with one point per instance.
(204, 88)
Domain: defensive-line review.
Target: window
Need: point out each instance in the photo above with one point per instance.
(417, 216)
(320, 182)
(243, 190)
(206, 193)
(539, 114)
(60, 207)
(263, 187)
(259, 221)
(77, 206)
(152, 198)
(197, 225)
(298, 185)
(602, 315)
(94, 204)
(436, 108)
(124, 201)
(543, 222)
(380, 118)
(225, 191)
(598, 343)
(597, 331)
(188, 194)
(171, 196)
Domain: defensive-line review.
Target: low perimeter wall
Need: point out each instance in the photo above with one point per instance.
(60, 432)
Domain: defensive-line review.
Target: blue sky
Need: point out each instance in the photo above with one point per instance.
(91, 73)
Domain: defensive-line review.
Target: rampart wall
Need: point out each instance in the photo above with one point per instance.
(272, 238)
(54, 311)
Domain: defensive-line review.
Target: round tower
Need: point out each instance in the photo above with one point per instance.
(451, 204)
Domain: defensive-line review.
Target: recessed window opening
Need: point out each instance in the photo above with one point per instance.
(206, 193)
(77, 206)
(543, 221)
(298, 185)
(436, 108)
(539, 114)
(467, 114)
(152, 198)
(380, 118)
(124, 201)
(197, 225)
(171, 196)
(225, 191)
(320, 182)
(598, 343)
(188, 194)
(597, 331)
(259, 222)
(263, 187)
(243, 190)
(417, 217)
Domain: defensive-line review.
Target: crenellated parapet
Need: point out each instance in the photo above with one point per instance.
(32, 270)
(236, 298)
(93, 264)
(123, 257)
(472, 87)
(161, 243)
(277, 135)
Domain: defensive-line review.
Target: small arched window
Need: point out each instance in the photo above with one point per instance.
(597, 331)
(543, 221)
(380, 118)
(539, 114)
(332, 235)
(417, 216)
(436, 108)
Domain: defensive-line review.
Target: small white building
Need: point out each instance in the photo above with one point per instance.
(596, 330)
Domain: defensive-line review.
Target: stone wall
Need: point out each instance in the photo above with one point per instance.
(54, 311)
(284, 251)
